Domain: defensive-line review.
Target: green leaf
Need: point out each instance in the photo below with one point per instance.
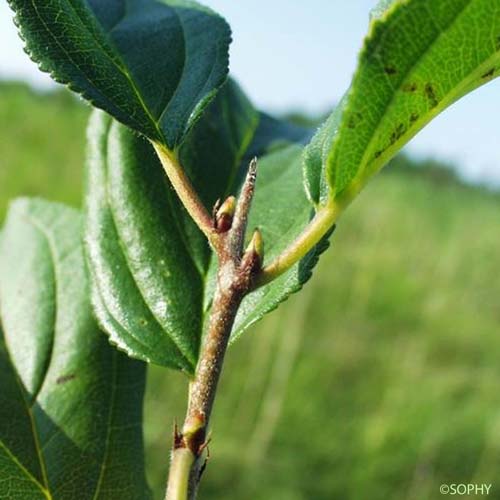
(152, 64)
(419, 57)
(147, 289)
(70, 404)
(152, 268)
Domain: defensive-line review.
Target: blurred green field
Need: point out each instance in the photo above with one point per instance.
(380, 381)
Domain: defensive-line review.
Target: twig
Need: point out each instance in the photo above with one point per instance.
(236, 273)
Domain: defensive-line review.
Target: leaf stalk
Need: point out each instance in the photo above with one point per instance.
(322, 222)
(185, 190)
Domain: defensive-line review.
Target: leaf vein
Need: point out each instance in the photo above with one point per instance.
(25, 471)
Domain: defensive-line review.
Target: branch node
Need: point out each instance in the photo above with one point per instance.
(194, 432)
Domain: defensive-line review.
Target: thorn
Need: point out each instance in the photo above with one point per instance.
(243, 208)
(252, 169)
(224, 214)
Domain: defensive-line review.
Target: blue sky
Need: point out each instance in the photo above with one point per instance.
(301, 55)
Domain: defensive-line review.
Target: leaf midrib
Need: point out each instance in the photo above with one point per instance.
(36, 440)
(108, 427)
(25, 471)
(48, 240)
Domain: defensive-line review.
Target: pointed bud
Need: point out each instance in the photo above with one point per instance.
(224, 215)
(228, 207)
(253, 257)
(256, 245)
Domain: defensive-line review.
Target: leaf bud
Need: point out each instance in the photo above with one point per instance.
(253, 257)
(224, 215)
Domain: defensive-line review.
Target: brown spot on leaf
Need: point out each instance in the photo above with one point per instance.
(378, 154)
(430, 93)
(489, 73)
(354, 119)
(389, 70)
(414, 117)
(410, 87)
(398, 133)
(65, 378)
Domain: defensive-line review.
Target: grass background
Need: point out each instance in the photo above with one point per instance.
(379, 381)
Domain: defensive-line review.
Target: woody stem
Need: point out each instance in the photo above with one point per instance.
(237, 270)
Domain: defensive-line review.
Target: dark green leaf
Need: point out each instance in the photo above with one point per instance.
(70, 404)
(152, 64)
(147, 289)
(419, 57)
